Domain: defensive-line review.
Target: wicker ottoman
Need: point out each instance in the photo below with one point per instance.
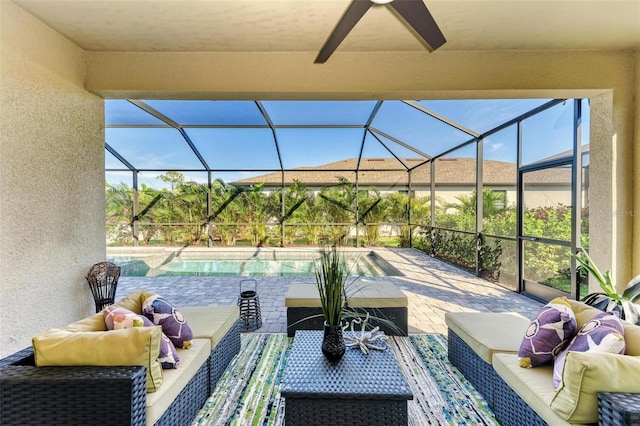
(381, 299)
(359, 390)
(473, 339)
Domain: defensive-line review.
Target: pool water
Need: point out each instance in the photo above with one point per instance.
(365, 265)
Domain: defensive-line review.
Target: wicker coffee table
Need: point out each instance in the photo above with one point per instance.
(358, 390)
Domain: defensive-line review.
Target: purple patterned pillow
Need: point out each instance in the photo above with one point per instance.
(548, 333)
(116, 318)
(162, 313)
(602, 333)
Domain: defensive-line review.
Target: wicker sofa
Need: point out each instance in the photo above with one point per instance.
(484, 347)
(109, 395)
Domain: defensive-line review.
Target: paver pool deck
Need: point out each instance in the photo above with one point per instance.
(432, 287)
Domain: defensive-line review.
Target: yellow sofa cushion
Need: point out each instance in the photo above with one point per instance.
(533, 385)
(587, 373)
(132, 302)
(133, 346)
(631, 339)
(583, 312)
(210, 322)
(488, 333)
(175, 380)
(92, 323)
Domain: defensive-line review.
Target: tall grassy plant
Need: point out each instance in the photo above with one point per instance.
(331, 279)
(626, 304)
(605, 280)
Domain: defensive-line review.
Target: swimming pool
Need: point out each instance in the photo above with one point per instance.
(238, 264)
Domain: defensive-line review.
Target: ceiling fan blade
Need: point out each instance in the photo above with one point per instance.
(351, 16)
(418, 16)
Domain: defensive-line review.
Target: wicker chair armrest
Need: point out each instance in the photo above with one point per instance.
(23, 357)
(73, 395)
(618, 408)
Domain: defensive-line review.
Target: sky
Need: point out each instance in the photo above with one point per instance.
(234, 135)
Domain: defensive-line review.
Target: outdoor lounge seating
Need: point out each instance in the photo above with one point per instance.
(117, 394)
(382, 299)
(484, 347)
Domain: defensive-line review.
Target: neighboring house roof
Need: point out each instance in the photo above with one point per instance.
(386, 172)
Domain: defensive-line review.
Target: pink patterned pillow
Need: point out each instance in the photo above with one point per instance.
(548, 333)
(116, 318)
(602, 333)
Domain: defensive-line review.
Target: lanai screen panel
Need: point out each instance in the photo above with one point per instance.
(236, 148)
(320, 206)
(482, 115)
(498, 260)
(111, 162)
(586, 176)
(416, 128)
(499, 182)
(329, 148)
(153, 148)
(123, 112)
(549, 134)
(421, 193)
(319, 113)
(228, 113)
(455, 189)
(380, 146)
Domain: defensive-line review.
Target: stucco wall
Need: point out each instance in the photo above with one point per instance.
(51, 180)
(635, 268)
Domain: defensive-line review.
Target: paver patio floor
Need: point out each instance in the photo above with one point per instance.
(433, 287)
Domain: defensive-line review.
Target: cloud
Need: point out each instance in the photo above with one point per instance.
(493, 147)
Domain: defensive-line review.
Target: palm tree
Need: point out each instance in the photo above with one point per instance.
(493, 203)
(372, 211)
(119, 210)
(298, 204)
(309, 214)
(148, 210)
(338, 204)
(397, 208)
(225, 211)
(192, 201)
(256, 209)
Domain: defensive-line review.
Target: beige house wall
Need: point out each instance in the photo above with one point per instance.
(51, 180)
(538, 196)
(52, 175)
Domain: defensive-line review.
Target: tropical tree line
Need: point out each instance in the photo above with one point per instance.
(251, 215)
(178, 214)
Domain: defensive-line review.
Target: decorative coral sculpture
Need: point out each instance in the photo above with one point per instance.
(366, 340)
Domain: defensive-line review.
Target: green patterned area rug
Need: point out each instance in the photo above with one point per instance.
(249, 391)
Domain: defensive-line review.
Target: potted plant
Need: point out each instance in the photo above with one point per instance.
(335, 286)
(331, 280)
(609, 299)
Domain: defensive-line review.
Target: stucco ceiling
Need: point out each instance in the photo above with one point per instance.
(304, 25)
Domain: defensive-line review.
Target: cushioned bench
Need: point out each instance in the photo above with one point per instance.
(381, 299)
(596, 387)
(474, 338)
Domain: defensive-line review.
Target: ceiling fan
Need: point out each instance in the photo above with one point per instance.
(413, 11)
